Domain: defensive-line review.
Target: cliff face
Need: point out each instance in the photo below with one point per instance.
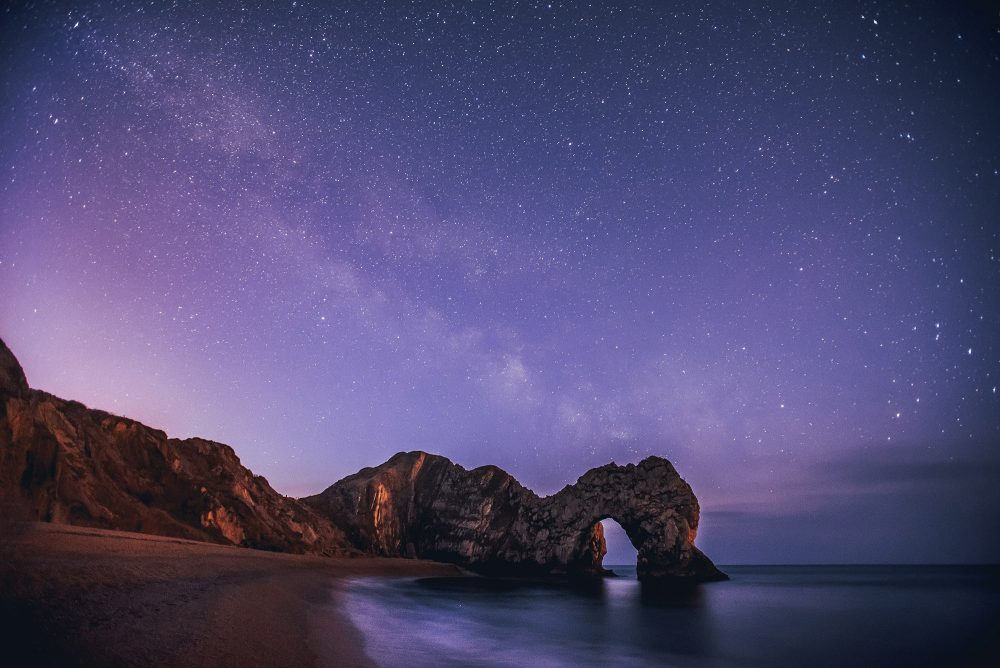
(71, 464)
(421, 505)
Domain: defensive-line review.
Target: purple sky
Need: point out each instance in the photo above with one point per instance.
(760, 241)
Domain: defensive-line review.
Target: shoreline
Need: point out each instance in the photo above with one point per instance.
(72, 595)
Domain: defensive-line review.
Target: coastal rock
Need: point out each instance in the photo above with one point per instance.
(422, 505)
(12, 379)
(63, 462)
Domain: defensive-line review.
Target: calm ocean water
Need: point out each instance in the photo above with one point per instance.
(764, 616)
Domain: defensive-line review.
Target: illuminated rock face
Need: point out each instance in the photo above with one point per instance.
(63, 462)
(421, 505)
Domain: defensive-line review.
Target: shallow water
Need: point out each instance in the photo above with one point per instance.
(764, 616)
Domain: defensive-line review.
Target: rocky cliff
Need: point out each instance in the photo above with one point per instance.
(70, 464)
(422, 505)
(67, 463)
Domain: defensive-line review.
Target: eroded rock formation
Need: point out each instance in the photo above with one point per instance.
(70, 464)
(421, 505)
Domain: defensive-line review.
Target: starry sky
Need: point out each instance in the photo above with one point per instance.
(761, 240)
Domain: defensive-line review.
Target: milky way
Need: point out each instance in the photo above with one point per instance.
(760, 241)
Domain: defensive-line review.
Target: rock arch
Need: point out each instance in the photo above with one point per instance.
(423, 505)
(653, 504)
(64, 462)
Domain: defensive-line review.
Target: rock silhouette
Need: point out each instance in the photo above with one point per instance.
(63, 462)
(422, 505)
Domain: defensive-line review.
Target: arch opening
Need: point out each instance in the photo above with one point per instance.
(620, 550)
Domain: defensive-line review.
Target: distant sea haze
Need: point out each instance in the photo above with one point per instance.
(764, 616)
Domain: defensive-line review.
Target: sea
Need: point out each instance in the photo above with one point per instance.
(763, 616)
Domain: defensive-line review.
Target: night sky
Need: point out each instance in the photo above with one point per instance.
(761, 241)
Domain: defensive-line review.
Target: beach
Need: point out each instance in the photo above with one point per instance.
(79, 596)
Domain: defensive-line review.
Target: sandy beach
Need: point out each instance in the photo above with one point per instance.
(77, 596)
